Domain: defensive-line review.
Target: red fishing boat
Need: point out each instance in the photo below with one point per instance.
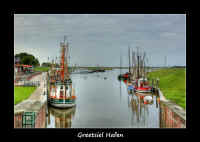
(142, 85)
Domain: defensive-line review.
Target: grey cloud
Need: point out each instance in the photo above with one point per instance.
(100, 38)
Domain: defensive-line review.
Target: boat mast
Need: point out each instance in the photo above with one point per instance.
(66, 61)
(120, 61)
(62, 63)
(138, 58)
(129, 58)
(143, 63)
(133, 64)
(138, 64)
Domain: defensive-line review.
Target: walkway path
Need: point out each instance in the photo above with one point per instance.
(39, 92)
(37, 98)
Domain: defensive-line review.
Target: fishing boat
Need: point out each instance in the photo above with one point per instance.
(146, 98)
(142, 85)
(124, 77)
(62, 94)
(130, 87)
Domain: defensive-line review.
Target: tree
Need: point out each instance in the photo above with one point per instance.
(27, 59)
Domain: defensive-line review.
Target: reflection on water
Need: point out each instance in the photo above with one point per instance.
(104, 102)
(60, 118)
(144, 115)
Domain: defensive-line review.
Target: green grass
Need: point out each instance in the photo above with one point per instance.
(22, 93)
(172, 84)
(41, 69)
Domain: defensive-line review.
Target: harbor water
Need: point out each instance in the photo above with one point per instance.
(104, 102)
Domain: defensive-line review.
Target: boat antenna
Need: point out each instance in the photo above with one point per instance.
(65, 38)
(129, 58)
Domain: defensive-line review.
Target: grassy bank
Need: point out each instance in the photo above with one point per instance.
(41, 69)
(172, 84)
(22, 93)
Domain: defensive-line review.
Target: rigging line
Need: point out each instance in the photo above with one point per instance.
(120, 74)
(129, 57)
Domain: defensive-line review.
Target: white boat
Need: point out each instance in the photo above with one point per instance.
(62, 94)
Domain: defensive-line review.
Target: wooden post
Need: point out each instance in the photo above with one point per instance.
(157, 83)
(152, 83)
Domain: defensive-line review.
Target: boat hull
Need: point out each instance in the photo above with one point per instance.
(59, 103)
(143, 90)
(62, 105)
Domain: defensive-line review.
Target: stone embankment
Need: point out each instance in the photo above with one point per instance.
(171, 115)
(31, 112)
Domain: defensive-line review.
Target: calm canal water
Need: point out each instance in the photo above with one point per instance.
(104, 102)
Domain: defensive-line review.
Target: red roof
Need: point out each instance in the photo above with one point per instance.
(28, 66)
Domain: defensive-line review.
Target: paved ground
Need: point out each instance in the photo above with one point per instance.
(40, 90)
(37, 98)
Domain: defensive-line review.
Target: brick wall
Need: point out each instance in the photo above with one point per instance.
(40, 120)
(18, 120)
(169, 118)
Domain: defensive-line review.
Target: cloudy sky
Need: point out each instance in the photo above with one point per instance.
(100, 39)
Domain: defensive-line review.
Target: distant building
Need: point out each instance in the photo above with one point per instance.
(17, 60)
(17, 67)
(21, 67)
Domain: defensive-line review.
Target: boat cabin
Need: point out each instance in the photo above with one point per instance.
(142, 82)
